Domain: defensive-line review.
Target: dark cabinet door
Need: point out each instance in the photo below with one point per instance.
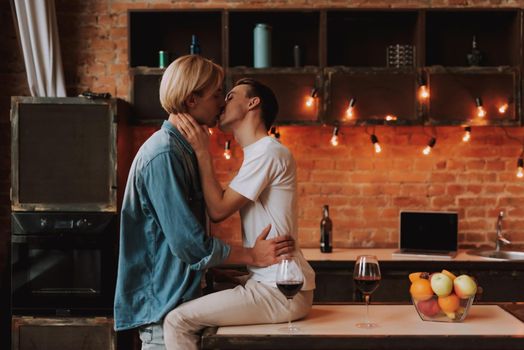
(457, 94)
(292, 87)
(379, 96)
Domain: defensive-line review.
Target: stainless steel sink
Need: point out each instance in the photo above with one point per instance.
(499, 254)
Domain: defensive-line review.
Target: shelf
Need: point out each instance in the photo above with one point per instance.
(344, 55)
(152, 31)
(289, 28)
(494, 86)
(377, 92)
(449, 36)
(360, 38)
(292, 88)
(145, 99)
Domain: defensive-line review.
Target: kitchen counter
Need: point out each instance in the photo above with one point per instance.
(346, 254)
(333, 327)
(501, 281)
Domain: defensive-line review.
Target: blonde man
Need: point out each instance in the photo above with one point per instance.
(264, 191)
(164, 248)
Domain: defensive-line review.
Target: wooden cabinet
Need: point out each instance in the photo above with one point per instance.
(492, 89)
(145, 97)
(457, 86)
(292, 87)
(378, 58)
(378, 95)
(66, 333)
(500, 281)
(171, 31)
(289, 28)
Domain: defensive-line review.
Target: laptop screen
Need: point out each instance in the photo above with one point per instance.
(428, 231)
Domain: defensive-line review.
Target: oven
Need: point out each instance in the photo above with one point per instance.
(64, 226)
(63, 263)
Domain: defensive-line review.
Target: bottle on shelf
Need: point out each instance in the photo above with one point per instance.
(326, 228)
(162, 59)
(262, 45)
(475, 56)
(194, 48)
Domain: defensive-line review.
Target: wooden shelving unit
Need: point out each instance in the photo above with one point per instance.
(344, 55)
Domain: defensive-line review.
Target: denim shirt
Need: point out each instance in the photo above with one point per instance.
(163, 244)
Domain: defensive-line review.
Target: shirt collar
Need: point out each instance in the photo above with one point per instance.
(170, 128)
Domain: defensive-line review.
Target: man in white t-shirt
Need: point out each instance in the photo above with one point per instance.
(264, 191)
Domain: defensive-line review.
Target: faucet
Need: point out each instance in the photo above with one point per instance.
(500, 239)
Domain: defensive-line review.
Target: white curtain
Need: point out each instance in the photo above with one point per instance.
(38, 30)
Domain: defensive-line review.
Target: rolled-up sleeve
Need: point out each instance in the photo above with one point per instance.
(187, 239)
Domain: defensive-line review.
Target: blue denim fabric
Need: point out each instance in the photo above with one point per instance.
(163, 244)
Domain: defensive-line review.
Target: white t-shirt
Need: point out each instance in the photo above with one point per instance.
(268, 178)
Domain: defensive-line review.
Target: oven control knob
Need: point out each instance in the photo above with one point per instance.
(83, 223)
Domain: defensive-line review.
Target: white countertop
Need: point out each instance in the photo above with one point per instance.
(392, 320)
(347, 254)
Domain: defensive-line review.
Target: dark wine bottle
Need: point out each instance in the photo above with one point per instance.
(475, 56)
(326, 227)
(194, 48)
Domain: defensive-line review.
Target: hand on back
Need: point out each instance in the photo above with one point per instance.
(271, 251)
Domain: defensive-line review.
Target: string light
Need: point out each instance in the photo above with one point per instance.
(503, 108)
(427, 150)
(376, 144)
(481, 112)
(423, 91)
(310, 101)
(390, 118)
(467, 134)
(520, 161)
(334, 137)
(350, 109)
(210, 131)
(227, 150)
(520, 166)
(274, 132)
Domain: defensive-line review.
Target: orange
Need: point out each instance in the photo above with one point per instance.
(449, 274)
(421, 289)
(449, 303)
(414, 276)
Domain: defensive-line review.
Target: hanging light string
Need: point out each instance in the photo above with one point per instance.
(481, 112)
(520, 160)
(467, 134)
(273, 131)
(227, 150)
(374, 140)
(334, 136)
(350, 111)
(431, 142)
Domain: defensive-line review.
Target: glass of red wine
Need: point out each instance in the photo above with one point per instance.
(289, 281)
(367, 279)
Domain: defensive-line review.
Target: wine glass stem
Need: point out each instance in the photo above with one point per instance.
(366, 298)
(289, 314)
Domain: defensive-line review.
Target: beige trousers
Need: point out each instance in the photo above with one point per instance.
(253, 303)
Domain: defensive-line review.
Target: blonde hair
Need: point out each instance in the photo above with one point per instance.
(187, 75)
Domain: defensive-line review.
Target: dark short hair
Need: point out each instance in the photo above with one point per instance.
(268, 100)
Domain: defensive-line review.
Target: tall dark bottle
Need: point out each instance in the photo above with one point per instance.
(326, 228)
(194, 48)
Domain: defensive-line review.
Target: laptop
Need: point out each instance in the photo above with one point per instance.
(427, 234)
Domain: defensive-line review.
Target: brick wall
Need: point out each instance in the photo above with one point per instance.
(365, 191)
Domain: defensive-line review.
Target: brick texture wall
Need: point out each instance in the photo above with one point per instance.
(365, 191)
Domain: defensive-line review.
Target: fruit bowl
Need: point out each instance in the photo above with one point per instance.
(442, 296)
(432, 310)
